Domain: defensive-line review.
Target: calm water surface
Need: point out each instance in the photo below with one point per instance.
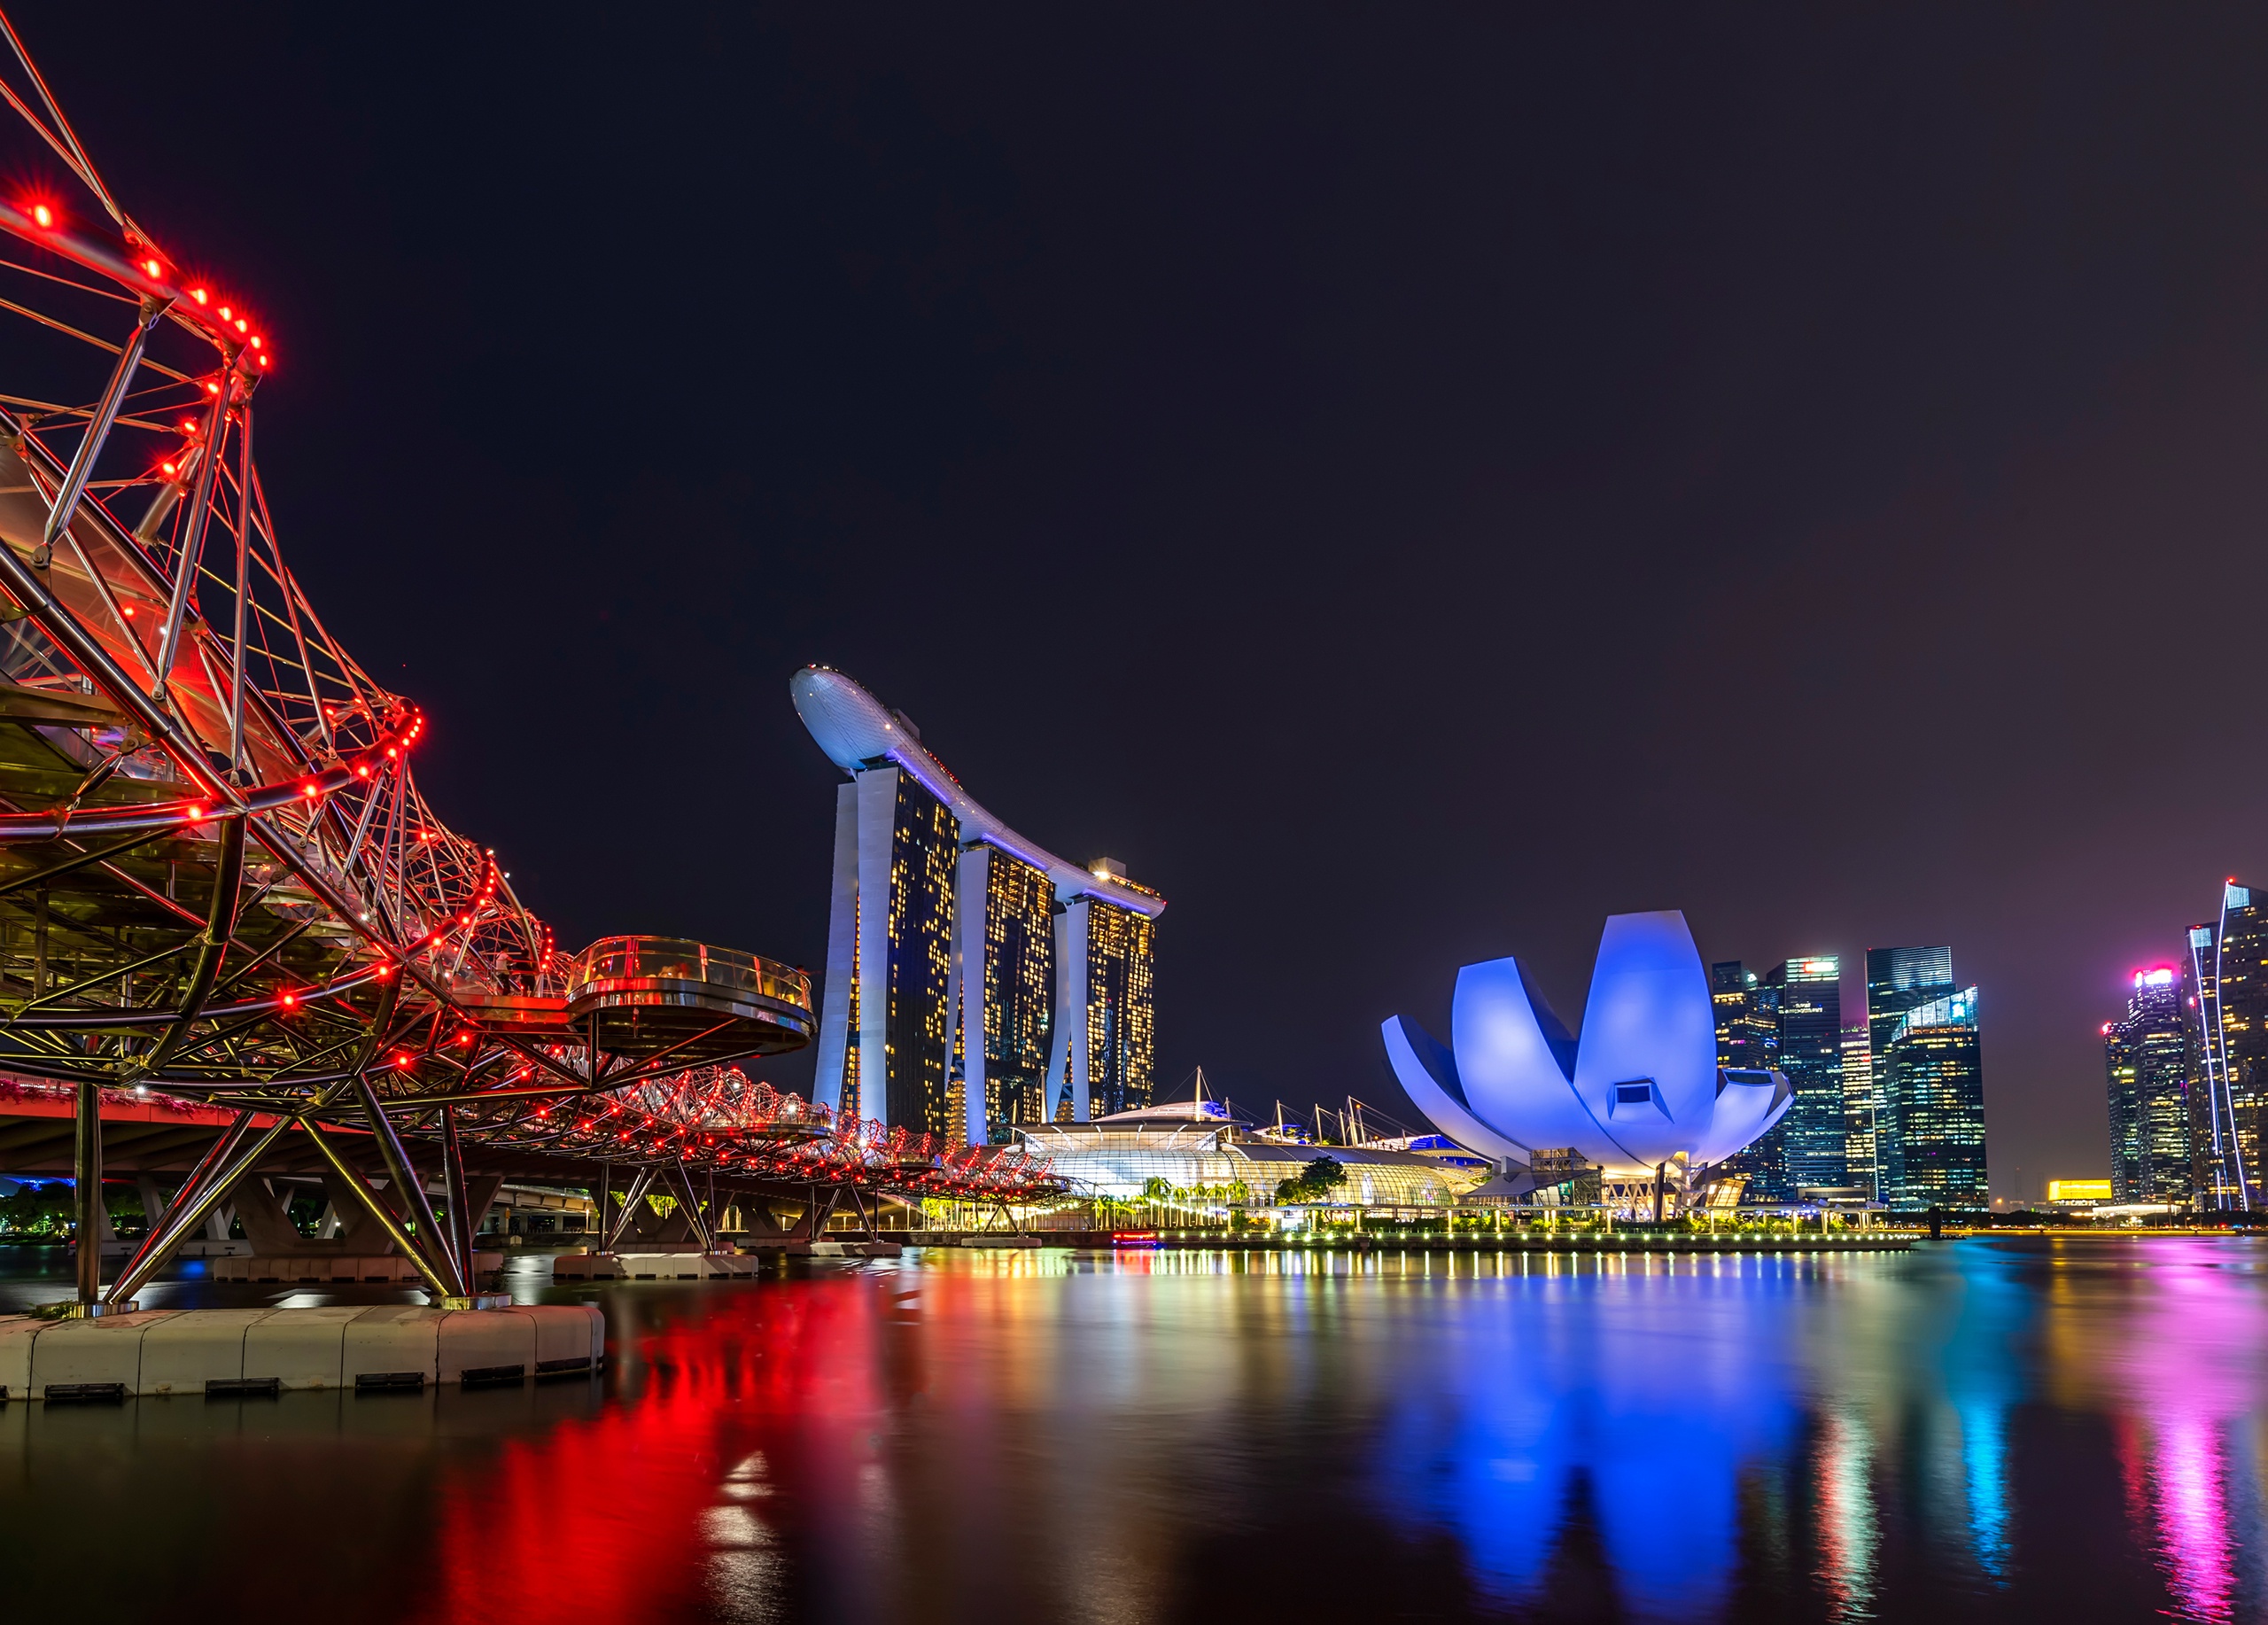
(2074, 1430)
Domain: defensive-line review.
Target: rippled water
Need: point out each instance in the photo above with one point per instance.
(2071, 1430)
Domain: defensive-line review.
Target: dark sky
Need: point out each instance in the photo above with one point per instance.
(1410, 482)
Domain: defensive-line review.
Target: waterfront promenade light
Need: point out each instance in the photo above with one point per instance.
(1640, 1086)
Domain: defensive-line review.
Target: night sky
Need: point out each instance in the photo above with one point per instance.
(1408, 482)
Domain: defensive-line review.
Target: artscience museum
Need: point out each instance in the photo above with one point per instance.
(1639, 1089)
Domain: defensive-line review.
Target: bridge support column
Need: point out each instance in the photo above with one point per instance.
(87, 1174)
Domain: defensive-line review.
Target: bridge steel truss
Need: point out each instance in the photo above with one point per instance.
(218, 877)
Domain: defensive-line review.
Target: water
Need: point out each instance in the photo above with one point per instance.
(2074, 1430)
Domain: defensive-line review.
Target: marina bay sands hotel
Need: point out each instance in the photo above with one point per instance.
(974, 980)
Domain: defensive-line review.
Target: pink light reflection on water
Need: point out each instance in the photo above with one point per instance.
(2188, 1372)
(2193, 1515)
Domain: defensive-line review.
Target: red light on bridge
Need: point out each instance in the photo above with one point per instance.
(198, 294)
(152, 267)
(290, 1000)
(43, 216)
(226, 313)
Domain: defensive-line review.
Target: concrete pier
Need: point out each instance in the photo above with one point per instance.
(324, 1268)
(249, 1351)
(652, 1266)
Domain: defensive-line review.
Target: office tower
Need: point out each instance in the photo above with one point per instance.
(2196, 995)
(1898, 980)
(1748, 1037)
(2146, 1058)
(2229, 964)
(1809, 1001)
(1930, 1130)
(1858, 1109)
(974, 980)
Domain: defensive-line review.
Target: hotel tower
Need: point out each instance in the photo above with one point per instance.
(974, 981)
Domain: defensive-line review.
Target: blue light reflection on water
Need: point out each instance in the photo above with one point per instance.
(1647, 1389)
(1643, 1395)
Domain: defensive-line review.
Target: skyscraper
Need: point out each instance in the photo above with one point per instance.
(1809, 998)
(1007, 956)
(2197, 990)
(1748, 1037)
(906, 853)
(974, 980)
(1898, 980)
(1113, 1054)
(2145, 1057)
(2230, 963)
(1930, 1129)
(1858, 1109)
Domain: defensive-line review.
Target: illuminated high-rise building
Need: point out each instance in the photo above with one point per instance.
(1930, 1125)
(1001, 1061)
(2197, 988)
(1809, 998)
(1898, 980)
(1121, 1029)
(1858, 1109)
(906, 853)
(974, 980)
(2229, 972)
(2145, 1059)
(1748, 1037)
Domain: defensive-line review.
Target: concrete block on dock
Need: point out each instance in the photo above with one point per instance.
(175, 1352)
(16, 1334)
(392, 1341)
(568, 1335)
(90, 1355)
(489, 1343)
(665, 1266)
(184, 1352)
(586, 1267)
(299, 1348)
(316, 1269)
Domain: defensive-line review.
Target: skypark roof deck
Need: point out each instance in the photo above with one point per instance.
(858, 731)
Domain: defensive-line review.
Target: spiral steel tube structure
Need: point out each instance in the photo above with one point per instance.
(218, 877)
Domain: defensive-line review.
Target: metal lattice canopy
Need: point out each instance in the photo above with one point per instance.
(218, 877)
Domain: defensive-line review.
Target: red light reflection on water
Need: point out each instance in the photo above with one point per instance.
(661, 1499)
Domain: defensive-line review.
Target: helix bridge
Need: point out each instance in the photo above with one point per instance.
(219, 883)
